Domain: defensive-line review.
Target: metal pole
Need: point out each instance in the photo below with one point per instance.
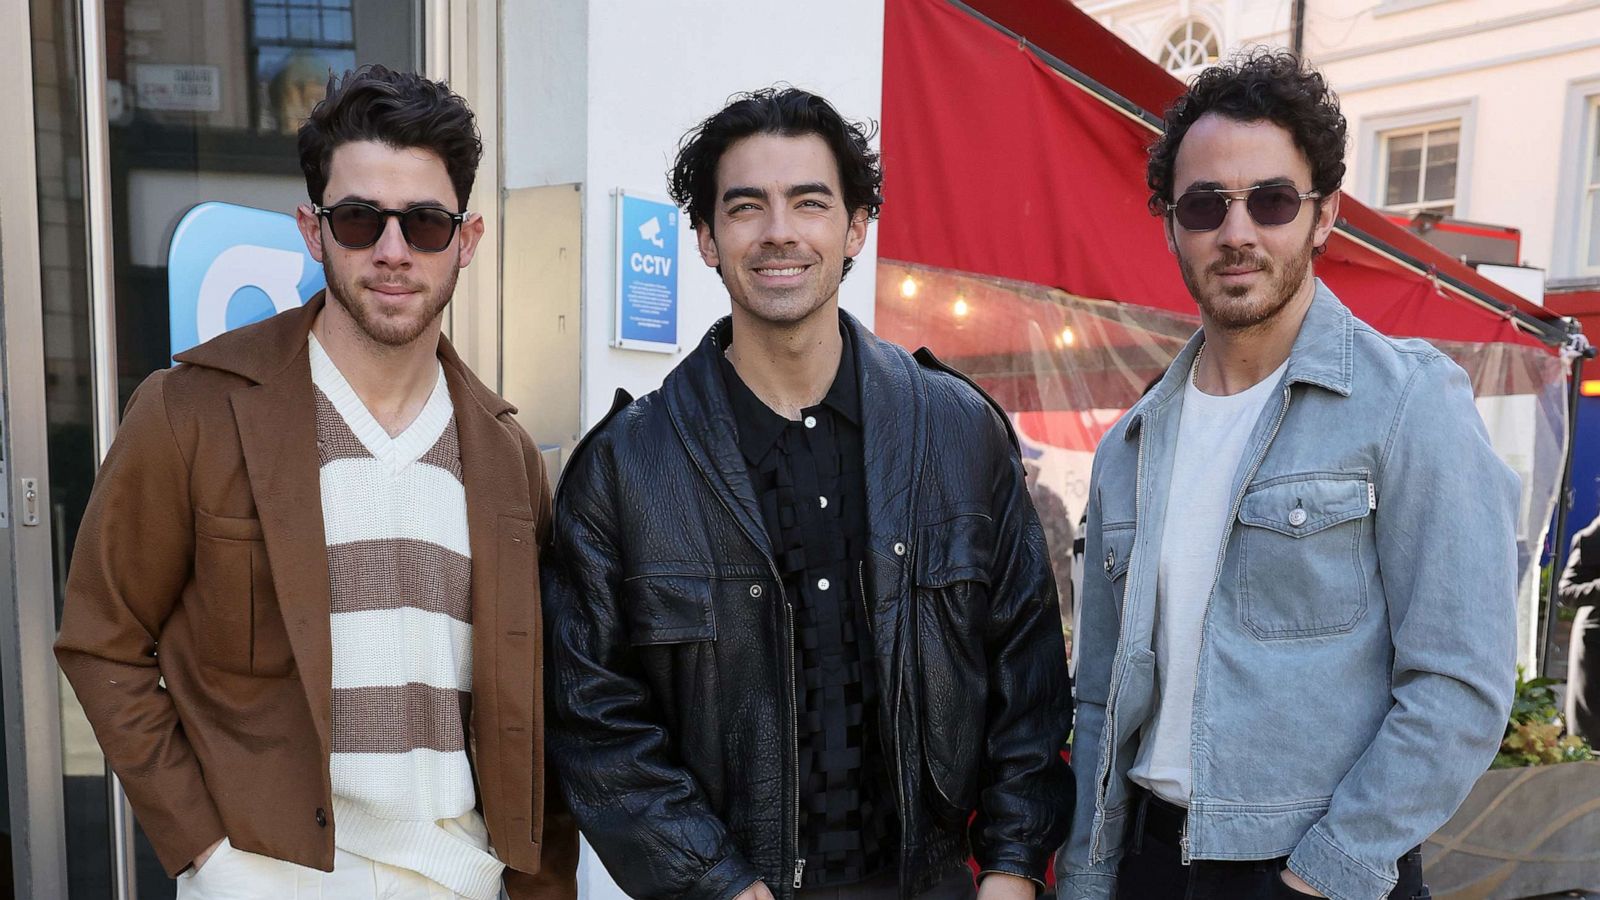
(1297, 34)
(103, 343)
(1563, 504)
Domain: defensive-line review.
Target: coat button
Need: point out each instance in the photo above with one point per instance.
(322, 818)
(1297, 517)
(755, 590)
(822, 584)
(899, 549)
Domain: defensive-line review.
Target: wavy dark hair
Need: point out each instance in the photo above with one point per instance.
(780, 110)
(398, 109)
(1276, 86)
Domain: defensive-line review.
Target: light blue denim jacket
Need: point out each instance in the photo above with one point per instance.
(1357, 654)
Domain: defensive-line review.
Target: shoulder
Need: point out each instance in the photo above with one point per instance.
(955, 400)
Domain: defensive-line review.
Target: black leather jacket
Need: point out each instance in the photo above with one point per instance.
(670, 641)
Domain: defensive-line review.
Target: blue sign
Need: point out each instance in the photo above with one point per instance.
(232, 265)
(647, 274)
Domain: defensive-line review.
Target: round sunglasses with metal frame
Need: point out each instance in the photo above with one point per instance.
(357, 226)
(1207, 208)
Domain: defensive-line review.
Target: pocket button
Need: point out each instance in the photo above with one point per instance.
(755, 590)
(1297, 517)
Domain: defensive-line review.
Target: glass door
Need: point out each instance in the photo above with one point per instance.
(176, 103)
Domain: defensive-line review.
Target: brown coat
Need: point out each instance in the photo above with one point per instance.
(196, 631)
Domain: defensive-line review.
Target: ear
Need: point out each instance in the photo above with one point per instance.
(310, 225)
(1327, 216)
(469, 234)
(856, 237)
(1167, 226)
(708, 245)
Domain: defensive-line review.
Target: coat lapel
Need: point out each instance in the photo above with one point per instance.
(278, 433)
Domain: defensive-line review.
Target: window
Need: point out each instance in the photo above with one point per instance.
(1420, 167)
(1589, 234)
(297, 43)
(1189, 48)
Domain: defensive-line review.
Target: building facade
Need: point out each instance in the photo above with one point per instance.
(1473, 109)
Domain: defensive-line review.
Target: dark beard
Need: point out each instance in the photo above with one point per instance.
(1283, 282)
(383, 330)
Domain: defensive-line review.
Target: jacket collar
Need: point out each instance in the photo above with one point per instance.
(892, 421)
(265, 350)
(1321, 355)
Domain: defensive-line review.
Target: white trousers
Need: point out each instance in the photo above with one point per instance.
(234, 874)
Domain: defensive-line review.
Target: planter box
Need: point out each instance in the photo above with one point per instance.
(1520, 833)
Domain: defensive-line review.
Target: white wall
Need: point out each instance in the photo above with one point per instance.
(600, 92)
(649, 72)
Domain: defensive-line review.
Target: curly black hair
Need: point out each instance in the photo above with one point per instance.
(398, 109)
(780, 110)
(1271, 85)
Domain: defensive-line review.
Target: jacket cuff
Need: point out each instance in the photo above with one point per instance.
(1087, 886)
(724, 881)
(1336, 873)
(1015, 859)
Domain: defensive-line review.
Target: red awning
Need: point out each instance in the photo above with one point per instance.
(996, 164)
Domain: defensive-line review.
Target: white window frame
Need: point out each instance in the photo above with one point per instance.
(1164, 41)
(1374, 162)
(1572, 225)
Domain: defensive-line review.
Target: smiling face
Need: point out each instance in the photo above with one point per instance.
(391, 292)
(1243, 274)
(779, 231)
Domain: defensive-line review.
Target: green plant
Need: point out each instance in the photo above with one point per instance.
(1535, 735)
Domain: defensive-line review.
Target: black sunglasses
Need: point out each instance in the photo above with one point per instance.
(1206, 209)
(357, 226)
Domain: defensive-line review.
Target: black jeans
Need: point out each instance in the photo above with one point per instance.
(958, 886)
(1152, 867)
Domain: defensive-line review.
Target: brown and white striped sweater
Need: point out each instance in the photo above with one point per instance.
(395, 518)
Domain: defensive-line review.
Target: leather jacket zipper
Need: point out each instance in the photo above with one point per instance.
(793, 702)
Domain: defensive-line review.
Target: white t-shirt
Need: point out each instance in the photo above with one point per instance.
(1212, 433)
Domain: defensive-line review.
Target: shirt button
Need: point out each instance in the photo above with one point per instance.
(322, 818)
(755, 590)
(899, 549)
(823, 501)
(822, 584)
(1297, 517)
(811, 421)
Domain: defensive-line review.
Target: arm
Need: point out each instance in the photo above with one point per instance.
(1445, 530)
(1024, 810)
(1094, 645)
(1580, 581)
(644, 814)
(133, 559)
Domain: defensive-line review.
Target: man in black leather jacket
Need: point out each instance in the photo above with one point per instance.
(803, 635)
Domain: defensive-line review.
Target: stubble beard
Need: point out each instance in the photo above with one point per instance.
(1231, 308)
(785, 308)
(383, 330)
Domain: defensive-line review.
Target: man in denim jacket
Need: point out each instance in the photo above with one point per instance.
(1297, 638)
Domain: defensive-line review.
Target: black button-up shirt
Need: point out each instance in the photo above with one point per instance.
(808, 476)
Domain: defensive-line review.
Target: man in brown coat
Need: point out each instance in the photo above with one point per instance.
(303, 616)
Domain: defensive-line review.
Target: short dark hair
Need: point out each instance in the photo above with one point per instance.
(780, 110)
(1276, 86)
(398, 109)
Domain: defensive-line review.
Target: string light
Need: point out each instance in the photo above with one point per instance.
(908, 288)
(1067, 337)
(961, 308)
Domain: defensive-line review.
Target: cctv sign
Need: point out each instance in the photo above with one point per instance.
(647, 274)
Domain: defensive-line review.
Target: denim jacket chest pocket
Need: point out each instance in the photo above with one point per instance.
(1303, 554)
